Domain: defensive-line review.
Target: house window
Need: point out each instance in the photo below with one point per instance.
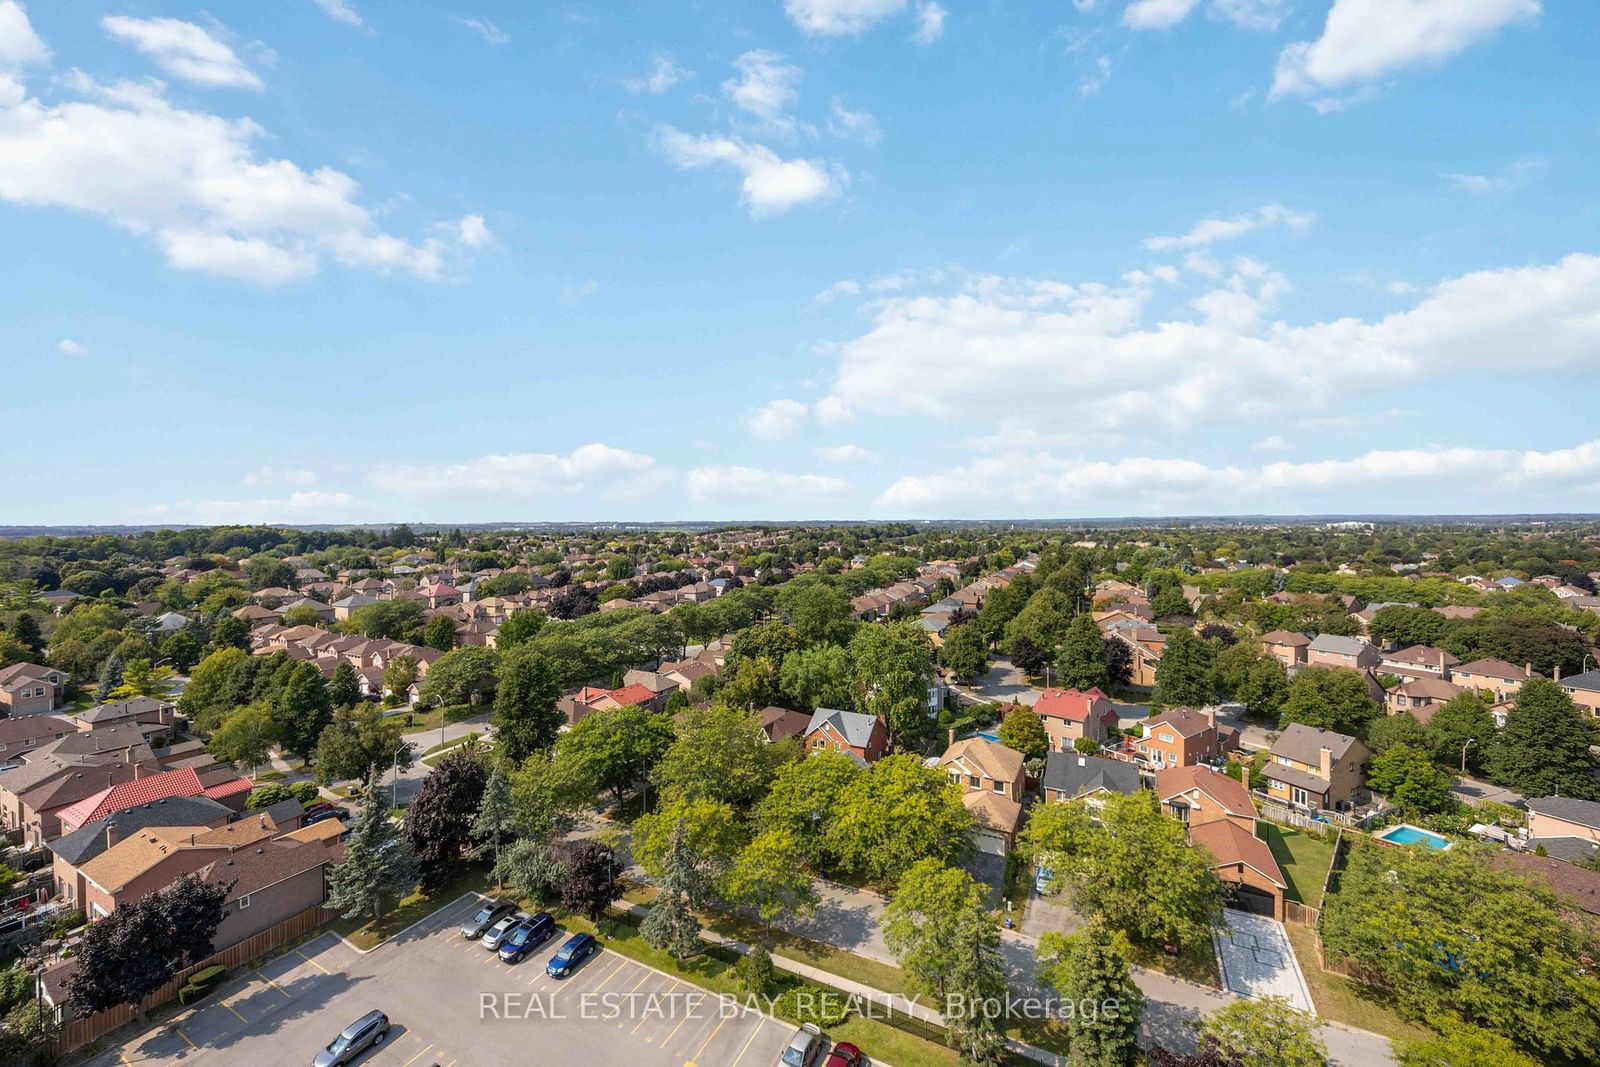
(244, 902)
(1298, 795)
(974, 781)
(999, 786)
(1166, 738)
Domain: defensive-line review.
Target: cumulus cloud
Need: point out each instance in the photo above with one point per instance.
(766, 87)
(20, 46)
(184, 50)
(1156, 14)
(305, 506)
(1042, 483)
(745, 483)
(339, 11)
(860, 125)
(930, 23)
(1252, 14)
(519, 474)
(845, 454)
(194, 184)
(68, 347)
(473, 231)
(663, 75)
(779, 419)
(1364, 41)
(1208, 232)
(770, 184)
(841, 18)
(1038, 347)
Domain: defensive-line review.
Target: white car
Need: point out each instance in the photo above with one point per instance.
(492, 936)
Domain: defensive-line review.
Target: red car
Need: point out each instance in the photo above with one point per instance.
(845, 1054)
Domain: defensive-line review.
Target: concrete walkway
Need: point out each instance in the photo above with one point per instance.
(1256, 960)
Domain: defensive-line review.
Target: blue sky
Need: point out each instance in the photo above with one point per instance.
(329, 260)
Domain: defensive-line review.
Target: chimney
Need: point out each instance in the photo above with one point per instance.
(1081, 762)
(111, 833)
(1556, 674)
(1325, 762)
(1244, 776)
(1211, 714)
(1527, 670)
(952, 733)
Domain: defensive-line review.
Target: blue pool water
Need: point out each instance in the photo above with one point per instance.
(1406, 834)
(989, 735)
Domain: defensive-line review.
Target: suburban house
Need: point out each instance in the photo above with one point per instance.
(850, 732)
(1576, 889)
(1584, 689)
(657, 683)
(1068, 714)
(27, 733)
(29, 689)
(1221, 819)
(146, 711)
(323, 611)
(780, 724)
(1071, 776)
(1316, 769)
(1420, 696)
(182, 782)
(1494, 676)
(992, 780)
(1286, 646)
(1180, 737)
(1331, 650)
(591, 699)
(255, 615)
(1563, 817)
(73, 850)
(1418, 661)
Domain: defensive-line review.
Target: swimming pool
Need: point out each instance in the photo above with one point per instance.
(1406, 834)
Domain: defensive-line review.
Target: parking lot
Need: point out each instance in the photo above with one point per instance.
(452, 1003)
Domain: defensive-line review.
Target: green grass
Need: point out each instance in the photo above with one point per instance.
(417, 906)
(1345, 1001)
(1196, 963)
(1303, 858)
(837, 961)
(271, 776)
(437, 753)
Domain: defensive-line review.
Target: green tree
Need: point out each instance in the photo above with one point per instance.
(495, 823)
(894, 669)
(712, 833)
(614, 749)
(378, 863)
(301, 615)
(1091, 968)
(923, 923)
(1110, 874)
(26, 630)
(818, 611)
(976, 983)
(1406, 775)
(802, 800)
(532, 869)
(722, 753)
(965, 652)
(110, 678)
(1023, 731)
(182, 650)
(400, 675)
(398, 620)
(1265, 688)
(1265, 1032)
(1169, 602)
(1460, 1045)
(523, 626)
(440, 633)
(769, 878)
(245, 738)
(438, 824)
(1184, 677)
(671, 925)
(1544, 748)
(303, 709)
(821, 676)
(268, 572)
(751, 684)
(229, 632)
(897, 813)
(344, 689)
(1462, 725)
(1055, 831)
(1042, 622)
(771, 640)
(1330, 698)
(526, 718)
(1082, 664)
(358, 742)
(465, 676)
(1392, 730)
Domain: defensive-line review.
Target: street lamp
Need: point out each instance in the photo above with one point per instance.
(1470, 741)
(394, 793)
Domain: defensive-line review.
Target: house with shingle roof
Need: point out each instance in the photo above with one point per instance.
(1288, 647)
(991, 779)
(1351, 653)
(1069, 714)
(1073, 776)
(30, 689)
(1563, 817)
(1316, 769)
(1500, 679)
(1584, 689)
(851, 732)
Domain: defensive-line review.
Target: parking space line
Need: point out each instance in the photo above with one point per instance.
(646, 1018)
(668, 1039)
(417, 1057)
(760, 1022)
(610, 975)
(274, 985)
(720, 1024)
(185, 1037)
(313, 962)
(236, 1014)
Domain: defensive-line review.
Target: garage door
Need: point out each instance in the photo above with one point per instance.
(991, 843)
(1248, 898)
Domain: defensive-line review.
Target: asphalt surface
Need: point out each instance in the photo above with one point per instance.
(452, 1003)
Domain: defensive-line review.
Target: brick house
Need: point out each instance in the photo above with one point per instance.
(850, 732)
(1563, 817)
(992, 780)
(1286, 646)
(1316, 769)
(24, 734)
(1181, 737)
(1221, 819)
(1584, 689)
(1420, 696)
(1500, 679)
(1069, 714)
(1418, 661)
(1352, 653)
(1072, 776)
(29, 689)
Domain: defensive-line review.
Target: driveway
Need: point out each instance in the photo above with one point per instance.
(1003, 684)
(1256, 959)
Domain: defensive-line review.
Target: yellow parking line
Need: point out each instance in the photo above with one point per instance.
(274, 985)
(417, 1057)
(313, 962)
(185, 1037)
(612, 974)
(760, 1022)
(720, 1024)
(236, 1015)
(668, 1039)
(646, 1018)
(123, 1057)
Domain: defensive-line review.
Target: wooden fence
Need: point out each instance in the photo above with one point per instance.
(1301, 914)
(80, 1032)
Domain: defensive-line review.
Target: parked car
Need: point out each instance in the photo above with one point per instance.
(574, 951)
(1042, 879)
(317, 807)
(493, 936)
(803, 1046)
(486, 916)
(365, 1032)
(323, 816)
(845, 1054)
(526, 936)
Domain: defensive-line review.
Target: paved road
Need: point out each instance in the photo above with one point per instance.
(452, 1003)
(1003, 684)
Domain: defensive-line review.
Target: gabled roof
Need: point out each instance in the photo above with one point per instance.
(1075, 775)
(632, 694)
(123, 709)
(989, 758)
(1495, 668)
(1184, 721)
(252, 869)
(1568, 809)
(1285, 637)
(993, 810)
(1588, 681)
(1229, 843)
(1336, 645)
(88, 841)
(1232, 795)
(1424, 655)
(183, 782)
(27, 727)
(1304, 744)
(1072, 704)
(853, 726)
(19, 671)
(780, 723)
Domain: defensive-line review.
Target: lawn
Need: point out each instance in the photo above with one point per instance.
(437, 753)
(1344, 1001)
(1303, 858)
(837, 961)
(417, 906)
(1196, 963)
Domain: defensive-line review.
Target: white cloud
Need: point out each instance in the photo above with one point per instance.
(473, 232)
(1043, 483)
(1485, 184)
(68, 347)
(269, 475)
(193, 183)
(883, 283)
(722, 483)
(663, 75)
(1095, 80)
(577, 291)
(930, 23)
(766, 87)
(1209, 231)
(1273, 443)
(486, 29)
(339, 11)
(1037, 347)
(842, 122)
(521, 474)
(1157, 14)
(845, 454)
(770, 184)
(19, 45)
(1364, 41)
(778, 419)
(1251, 14)
(184, 50)
(305, 506)
(840, 18)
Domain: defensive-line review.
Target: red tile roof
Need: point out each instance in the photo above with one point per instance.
(183, 782)
(632, 694)
(232, 787)
(1072, 704)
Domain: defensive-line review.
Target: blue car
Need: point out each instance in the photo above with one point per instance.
(578, 948)
(526, 936)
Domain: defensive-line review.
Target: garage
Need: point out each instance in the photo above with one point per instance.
(990, 842)
(1256, 902)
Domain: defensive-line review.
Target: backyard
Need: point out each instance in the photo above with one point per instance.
(1303, 858)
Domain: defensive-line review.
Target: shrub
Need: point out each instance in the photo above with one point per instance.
(264, 796)
(756, 971)
(64, 922)
(305, 792)
(807, 1003)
